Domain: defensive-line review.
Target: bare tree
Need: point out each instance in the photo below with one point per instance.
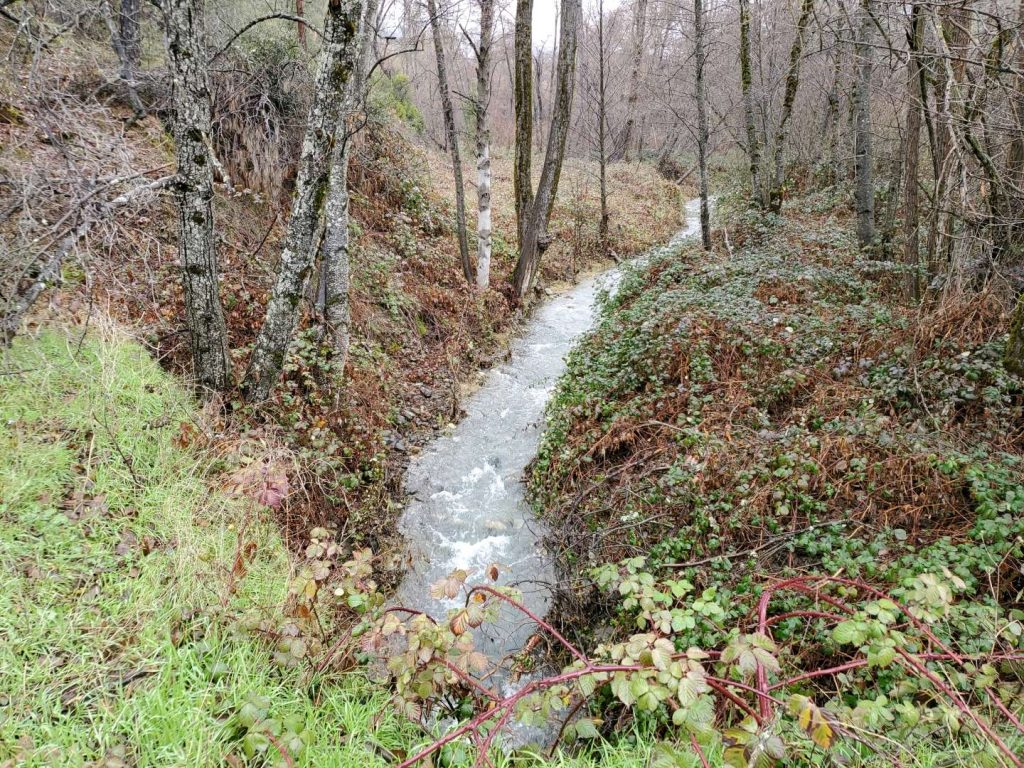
(626, 141)
(747, 85)
(602, 127)
(204, 315)
(522, 173)
(337, 61)
(335, 263)
(700, 58)
(483, 145)
(915, 94)
(863, 158)
(452, 137)
(789, 98)
(534, 236)
(126, 40)
(300, 25)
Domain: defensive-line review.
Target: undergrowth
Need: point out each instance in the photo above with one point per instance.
(773, 411)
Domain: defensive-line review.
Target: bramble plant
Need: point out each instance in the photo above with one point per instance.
(756, 701)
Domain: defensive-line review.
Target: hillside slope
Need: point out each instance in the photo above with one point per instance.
(771, 411)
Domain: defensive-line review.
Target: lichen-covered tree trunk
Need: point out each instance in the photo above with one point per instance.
(534, 235)
(483, 145)
(522, 179)
(788, 99)
(335, 256)
(337, 60)
(864, 190)
(452, 134)
(204, 315)
(627, 141)
(700, 88)
(747, 84)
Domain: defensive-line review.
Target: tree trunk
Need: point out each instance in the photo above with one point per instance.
(747, 82)
(337, 61)
(911, 198)
(131, 34)
(602, 122)
(1013, 358)
(335, 279)
(535, 236)
(522, 178)
(204, 316)
(452, 134)
(863, 157)
(125, 39)
(702, 121)
(792, 83)
(300, 27)
(625, 148)
(830, 125)
(483, 146)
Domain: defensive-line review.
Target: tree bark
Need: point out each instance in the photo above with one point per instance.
(624, 151)
(522, 177)
(204, 315)
(911, 196)
(602, 123)
(863, 157)
(131, 33)
(337, 61)
(792, 83)
(300, 27)
(483, 146)
(535, 236)
(125, 39)
(700, 59)
(1013, 358)
(747, 83)
(452, 134)
(335, 262)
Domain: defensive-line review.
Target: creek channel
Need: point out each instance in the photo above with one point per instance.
(467, 505)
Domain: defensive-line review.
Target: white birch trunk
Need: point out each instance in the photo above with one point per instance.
(483, 146)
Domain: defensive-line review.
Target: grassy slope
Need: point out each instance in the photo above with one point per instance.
(97, 660)
(775, 411)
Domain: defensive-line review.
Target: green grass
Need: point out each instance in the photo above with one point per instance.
(91, 661)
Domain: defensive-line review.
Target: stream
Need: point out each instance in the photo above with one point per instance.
(467, 504)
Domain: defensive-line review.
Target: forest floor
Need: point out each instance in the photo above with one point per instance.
(774, 410)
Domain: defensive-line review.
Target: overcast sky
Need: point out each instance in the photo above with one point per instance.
(545, 15)
(545, 18)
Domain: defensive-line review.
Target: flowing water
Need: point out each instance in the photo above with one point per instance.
(467, 506)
